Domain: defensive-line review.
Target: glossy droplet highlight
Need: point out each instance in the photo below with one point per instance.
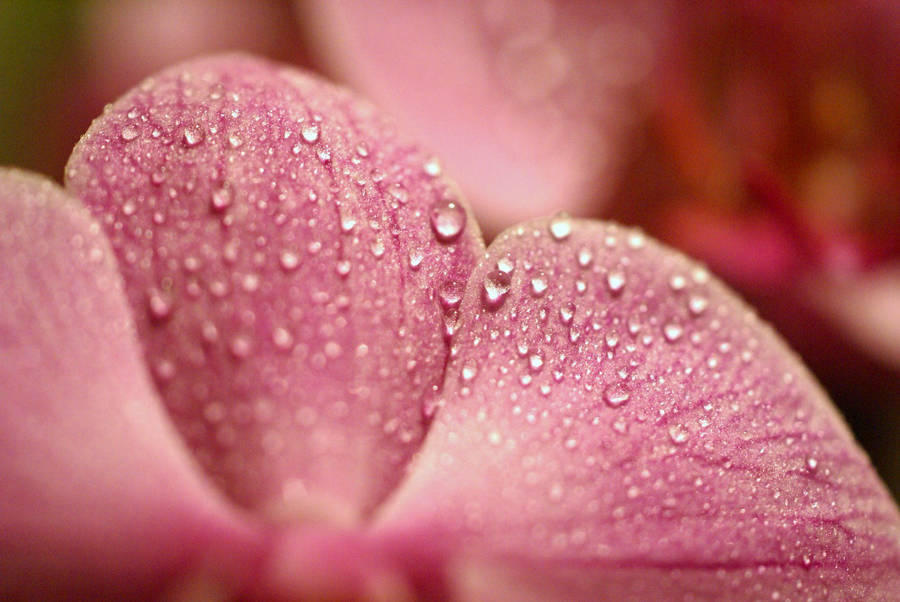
(560, 226)
(616, 395)
(310, 133)
(672, 332)
(615, 282)
(448, 219)
(496, 288)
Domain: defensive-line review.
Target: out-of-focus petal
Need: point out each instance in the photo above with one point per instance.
(286, 255)
(98, 496)
(618, 425)
(529, 102)
(866, 307)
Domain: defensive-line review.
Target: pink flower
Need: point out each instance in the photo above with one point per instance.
(276, 361)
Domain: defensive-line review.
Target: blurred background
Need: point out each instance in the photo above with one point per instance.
(761, 138)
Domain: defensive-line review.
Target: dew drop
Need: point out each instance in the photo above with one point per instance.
(289, 260)
(496, 287)
(560, 226)
(636, 240)
(450, 294)
(672, 332)
(234, 141)
(585, 257)
(432, 167)
(615, 281)
(343, 267)
(448, 219)
(399, 194)
(536, 362)
(812, 464)
(377, 248)
(415, 258)
(240, 347)
(310, 132)
(567, 313)
(677, 282)
(697, 304)
(282, 338)
(220, 199)
(159, 306)
(468, 372)
(129, 133)
(616, 395)
(192, 137)
(506, 265)
(538, 285)
(678, 434)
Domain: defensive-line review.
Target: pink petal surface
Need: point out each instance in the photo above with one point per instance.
(285, 253)
(529, 103)
(98, 496)
(617, 424)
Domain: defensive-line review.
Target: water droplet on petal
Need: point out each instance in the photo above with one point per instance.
(697, 304)
(616, 395)
(585, 257)
(220, 199)
(192, 137)
(560, 226)
(615, 281)
(129, 133)
(160, 306)
(343, 267)
(282, 338)
(469, 371)
(415, 258)
(539, 285)
(240, 347)
(432, 167)
(496, 287)
(310, 132)
(567, 313)
(536, 362)
(450, 294)
(673, 332)
(289, 260)
(678, 434)
(448, 219)
(506, 265)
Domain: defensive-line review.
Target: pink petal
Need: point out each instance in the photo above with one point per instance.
(618, 425)
(282, 248)
(98, 496)
(530, 103)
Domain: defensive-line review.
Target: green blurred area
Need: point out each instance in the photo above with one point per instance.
(34, 38)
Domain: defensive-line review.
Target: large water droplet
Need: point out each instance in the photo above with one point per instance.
(448, 219)
(496, 288)
(616, 395)
(560, 226)
(615, 281)
(129, 133)
(289, 260)
(673, 331)
(192, 137)
(310, 132)
(450, 294)
(432, 167)
(678, 434)
(539, 285)
(220, 199)
(697, 304)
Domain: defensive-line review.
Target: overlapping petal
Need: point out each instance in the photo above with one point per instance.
(616, 424)
(530, 103)
(98, 496)
(286, 255)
